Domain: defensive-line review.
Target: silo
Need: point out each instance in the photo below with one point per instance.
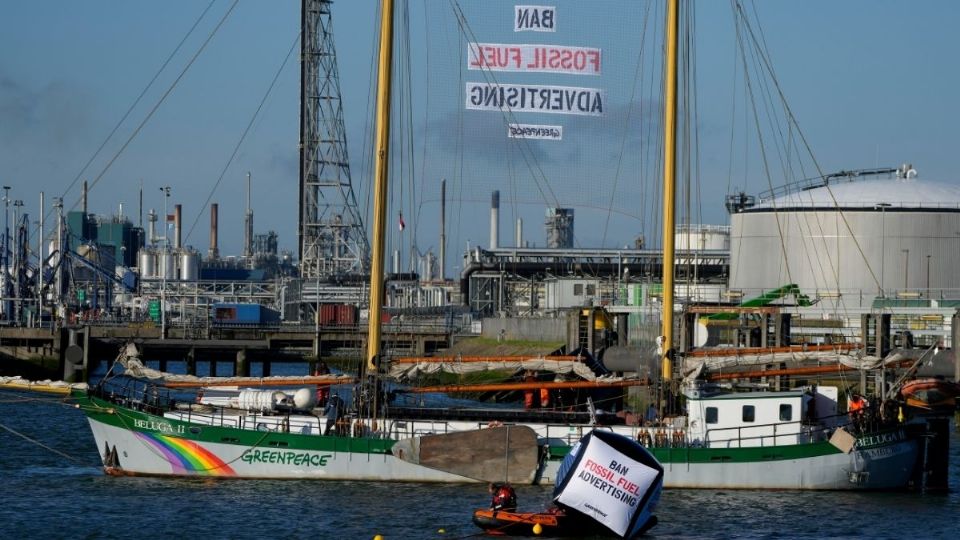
(147, 263)
(189, 265)
(167, 264)
(703, 237)
(850, 235)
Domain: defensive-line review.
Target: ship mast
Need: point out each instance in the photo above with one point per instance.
(669, 184)
(381, 163)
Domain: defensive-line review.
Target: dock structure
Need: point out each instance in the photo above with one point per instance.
(73, 352)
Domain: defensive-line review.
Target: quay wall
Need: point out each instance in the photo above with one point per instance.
(525, 329)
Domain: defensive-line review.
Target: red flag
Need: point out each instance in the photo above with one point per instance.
(402, 225)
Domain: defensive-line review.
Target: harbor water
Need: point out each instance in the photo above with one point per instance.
(53, 487)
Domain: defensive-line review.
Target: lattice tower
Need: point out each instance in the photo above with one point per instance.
(332, 237)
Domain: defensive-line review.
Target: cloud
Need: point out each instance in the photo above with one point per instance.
(55, 114)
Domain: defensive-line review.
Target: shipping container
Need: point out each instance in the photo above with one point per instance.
(337, 315)
(243, 313)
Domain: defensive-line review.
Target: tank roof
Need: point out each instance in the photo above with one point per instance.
(890, 193)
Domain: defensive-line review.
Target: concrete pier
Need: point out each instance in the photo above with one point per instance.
(43, 353)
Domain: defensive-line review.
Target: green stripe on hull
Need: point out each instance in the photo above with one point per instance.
(137, 421)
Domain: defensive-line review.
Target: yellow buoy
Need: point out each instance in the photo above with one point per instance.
(537, 529)
(442, 531)
(378, 537)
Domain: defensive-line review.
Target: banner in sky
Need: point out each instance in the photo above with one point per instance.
(607, 485)
(534, 19)
(528, 131)
(534, 98)
(534, 58)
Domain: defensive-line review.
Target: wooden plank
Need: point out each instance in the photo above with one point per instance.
(496, 454)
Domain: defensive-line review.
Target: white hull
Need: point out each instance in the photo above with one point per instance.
(138, 456)
(875, 468)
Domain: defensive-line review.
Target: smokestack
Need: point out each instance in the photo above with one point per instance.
(443, 228)
(396, 261)
(177, 213)
(83, 200)
(495, 220)
(152, 226)
(248, 226)
(214, 252)
(519, 232)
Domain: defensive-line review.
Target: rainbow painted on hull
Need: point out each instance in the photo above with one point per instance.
(187, 457)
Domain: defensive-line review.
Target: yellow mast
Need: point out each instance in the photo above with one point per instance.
(669, 183)
(381, 163)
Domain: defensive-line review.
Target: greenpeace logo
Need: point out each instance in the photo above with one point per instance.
(285, 457)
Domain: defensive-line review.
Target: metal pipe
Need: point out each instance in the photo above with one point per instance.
(519, 233)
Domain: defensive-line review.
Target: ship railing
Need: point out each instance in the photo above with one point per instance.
(798, 431)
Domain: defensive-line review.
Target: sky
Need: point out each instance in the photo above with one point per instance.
(870, 83)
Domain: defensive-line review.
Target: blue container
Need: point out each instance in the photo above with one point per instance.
(243, 313)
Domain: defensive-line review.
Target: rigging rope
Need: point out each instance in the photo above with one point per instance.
(133, 105)
(243, 137)
(42, 445)
(163, 98)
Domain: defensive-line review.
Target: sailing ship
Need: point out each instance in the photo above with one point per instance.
(796, 439)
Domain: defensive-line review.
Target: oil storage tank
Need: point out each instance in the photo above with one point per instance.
(861, 232)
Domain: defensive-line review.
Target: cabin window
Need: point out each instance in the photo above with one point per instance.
(786, 412)
(712, 416)
(591, 290)
(749, 413)
(578, 289)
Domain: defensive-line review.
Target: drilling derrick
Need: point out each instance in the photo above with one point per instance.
(332, 238)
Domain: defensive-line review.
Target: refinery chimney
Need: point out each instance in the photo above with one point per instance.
(248, 226)
(213, 253)
(177, 217)
(495, 220)
(152, 226)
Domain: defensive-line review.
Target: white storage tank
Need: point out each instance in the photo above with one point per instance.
(189, 265)
(844, 236)
(147, 263)
(702, 237)
(167, 267)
